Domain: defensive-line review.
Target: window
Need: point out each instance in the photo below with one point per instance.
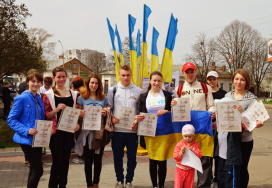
(74, 65)
(221, 85)
(70, 66)
(230, 86)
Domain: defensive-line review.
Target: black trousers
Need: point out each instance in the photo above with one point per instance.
(61, 145)
(92, 158)
(228, 176)
(246, 148)
(157, 168)
(6, 108)
(204, 180)
(34, 156)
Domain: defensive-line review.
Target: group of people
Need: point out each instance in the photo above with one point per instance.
(233, 149)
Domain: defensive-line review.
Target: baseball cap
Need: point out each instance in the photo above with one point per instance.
(188, 129)
(187, 66)
(213, 73)
(48, 80)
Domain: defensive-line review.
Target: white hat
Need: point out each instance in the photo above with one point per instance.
(213, 73)
(188, 129)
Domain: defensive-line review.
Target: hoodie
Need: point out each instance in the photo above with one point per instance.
(124, 96)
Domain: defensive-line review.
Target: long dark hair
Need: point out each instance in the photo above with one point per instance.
(153, 73)
(85, 91)
(54, 72)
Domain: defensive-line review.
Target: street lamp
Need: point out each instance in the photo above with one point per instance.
(62, 54)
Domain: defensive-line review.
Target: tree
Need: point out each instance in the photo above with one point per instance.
(259, 65)
(41, 36)
(235, 41)
(96, 61)
(17, 53)
(202, 56)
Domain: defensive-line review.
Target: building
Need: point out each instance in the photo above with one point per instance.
(81, 55)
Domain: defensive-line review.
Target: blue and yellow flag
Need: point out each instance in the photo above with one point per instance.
(144, 68)
(139, 57)
(112, 36)
(154, 59)
(133, 53)
(119, 45)
(168, 134)
(167, 60)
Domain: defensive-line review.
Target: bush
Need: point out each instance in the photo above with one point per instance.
(6, 135)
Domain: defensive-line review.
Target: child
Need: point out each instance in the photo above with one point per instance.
(185, 174)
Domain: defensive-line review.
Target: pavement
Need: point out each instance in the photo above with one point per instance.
(14, 173)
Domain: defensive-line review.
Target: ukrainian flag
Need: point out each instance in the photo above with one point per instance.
(112, 36)
(167, 60)
(168, 134)
(144, 69)
(120, 46)
(154, 59)
(133, 53)
(139, 57)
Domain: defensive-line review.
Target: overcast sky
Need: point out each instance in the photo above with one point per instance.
(80, 24)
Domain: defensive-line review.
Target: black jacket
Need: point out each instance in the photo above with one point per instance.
(141, 103)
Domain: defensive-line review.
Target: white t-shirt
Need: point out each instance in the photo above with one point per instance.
(155, 103)
(223, 144)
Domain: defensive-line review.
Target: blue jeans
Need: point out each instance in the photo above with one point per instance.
(119, 141)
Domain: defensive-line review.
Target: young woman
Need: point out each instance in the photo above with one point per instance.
(155, 101)
(92, 95)
(61, 143)
(27, 108)
(241, 83)
(213, 80)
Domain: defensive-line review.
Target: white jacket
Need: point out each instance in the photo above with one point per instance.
(197, 96)
(124, 96)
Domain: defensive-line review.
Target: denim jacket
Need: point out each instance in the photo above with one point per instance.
(22, 117)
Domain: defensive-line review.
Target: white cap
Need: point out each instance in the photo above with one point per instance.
(213, 73)
(188, 129)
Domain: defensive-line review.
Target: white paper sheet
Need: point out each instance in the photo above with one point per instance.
(126, 116)
(191, 160)
(148, 126)
(92, 118)
(68, 119)
(181, 111)
(42, 138)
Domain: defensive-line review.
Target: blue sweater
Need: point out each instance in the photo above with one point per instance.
(22, 117)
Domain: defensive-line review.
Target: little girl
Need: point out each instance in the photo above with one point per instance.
(185, 174)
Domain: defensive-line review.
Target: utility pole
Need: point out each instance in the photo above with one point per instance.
(62, 54)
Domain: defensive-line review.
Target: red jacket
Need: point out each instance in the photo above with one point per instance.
(178, 157)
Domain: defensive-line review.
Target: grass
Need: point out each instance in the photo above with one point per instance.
(6, 135)
(267, 102)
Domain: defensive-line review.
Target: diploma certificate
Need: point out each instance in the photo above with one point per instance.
(228, 117)
(92, 118)
(126, 116)
(148, 126)
(181, 111)
(68, 119)
(42, 138)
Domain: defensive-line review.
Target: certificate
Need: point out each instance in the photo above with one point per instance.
(92, 119)
(191, 160)
(256, 111)
(42, 138)
(68, 119)
(148, 126)
(228, 117)
(181, 111)
(126, 116)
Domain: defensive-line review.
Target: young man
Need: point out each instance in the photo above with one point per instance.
(47, 85)
(200, 102)
(6, 98)
(124, 94)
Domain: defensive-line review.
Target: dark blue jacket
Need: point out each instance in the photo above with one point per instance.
(22, 117)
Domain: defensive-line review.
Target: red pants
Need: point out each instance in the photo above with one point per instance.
(184, 178)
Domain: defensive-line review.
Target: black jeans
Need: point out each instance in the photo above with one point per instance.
(246, 148)
(34, 156)
(204, 180)
(6, 108)
(61, 145)
(92, 158)
(154, 171)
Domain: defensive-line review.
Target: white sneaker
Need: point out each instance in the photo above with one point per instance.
(129, 185)
(119, 185)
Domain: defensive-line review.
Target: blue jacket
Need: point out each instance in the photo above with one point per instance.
(22, 117)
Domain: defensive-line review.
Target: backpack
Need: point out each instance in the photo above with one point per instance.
(203, 85)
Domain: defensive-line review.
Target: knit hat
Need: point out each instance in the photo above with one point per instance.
(188, 129)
